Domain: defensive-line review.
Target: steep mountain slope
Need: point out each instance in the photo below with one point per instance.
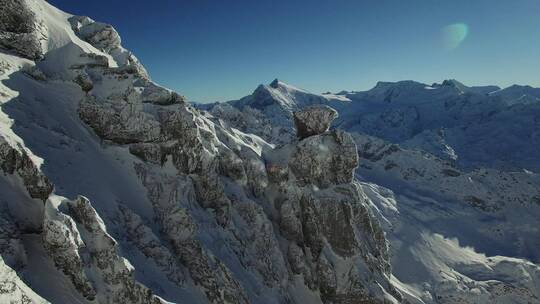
(114, 190)
(456, 235)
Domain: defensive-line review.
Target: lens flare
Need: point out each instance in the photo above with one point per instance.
(453, 35)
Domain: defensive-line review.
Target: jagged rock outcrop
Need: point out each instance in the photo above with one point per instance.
(330, 158)
(313, 120)
(150, 245)
(102, 36)
(178, 134)
(62, 241)
(178, 225)
(155, 94)
(105, 38)
(215, 172)
(119, 122)
(76, 239)
(17, 161)
(20, 32)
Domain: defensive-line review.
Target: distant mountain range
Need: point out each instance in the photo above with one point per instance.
(472, 126)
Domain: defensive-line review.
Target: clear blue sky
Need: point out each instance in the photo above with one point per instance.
(221, 50)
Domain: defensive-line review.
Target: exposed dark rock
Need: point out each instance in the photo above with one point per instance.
(275, 83)
(84, 82)
(17, 161)
(328, 159)
(19, 29)
(313, 120)
(324, 216)
(148, 152)
(451, 172)
(121, 124)
(72, 231)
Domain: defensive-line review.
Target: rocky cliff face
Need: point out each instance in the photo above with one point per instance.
(332, 238)
(20, 31)
(15, 161)
(77, 241)
(220, 173)
(154, 201)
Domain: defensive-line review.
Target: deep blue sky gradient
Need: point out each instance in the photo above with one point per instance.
(221, 50)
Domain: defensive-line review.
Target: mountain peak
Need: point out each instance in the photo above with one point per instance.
(275, 83)
(453, 83)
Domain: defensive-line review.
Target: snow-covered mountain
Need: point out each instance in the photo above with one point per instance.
(517, 94)
(459, 209)
(113, 189)
(473, 126)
